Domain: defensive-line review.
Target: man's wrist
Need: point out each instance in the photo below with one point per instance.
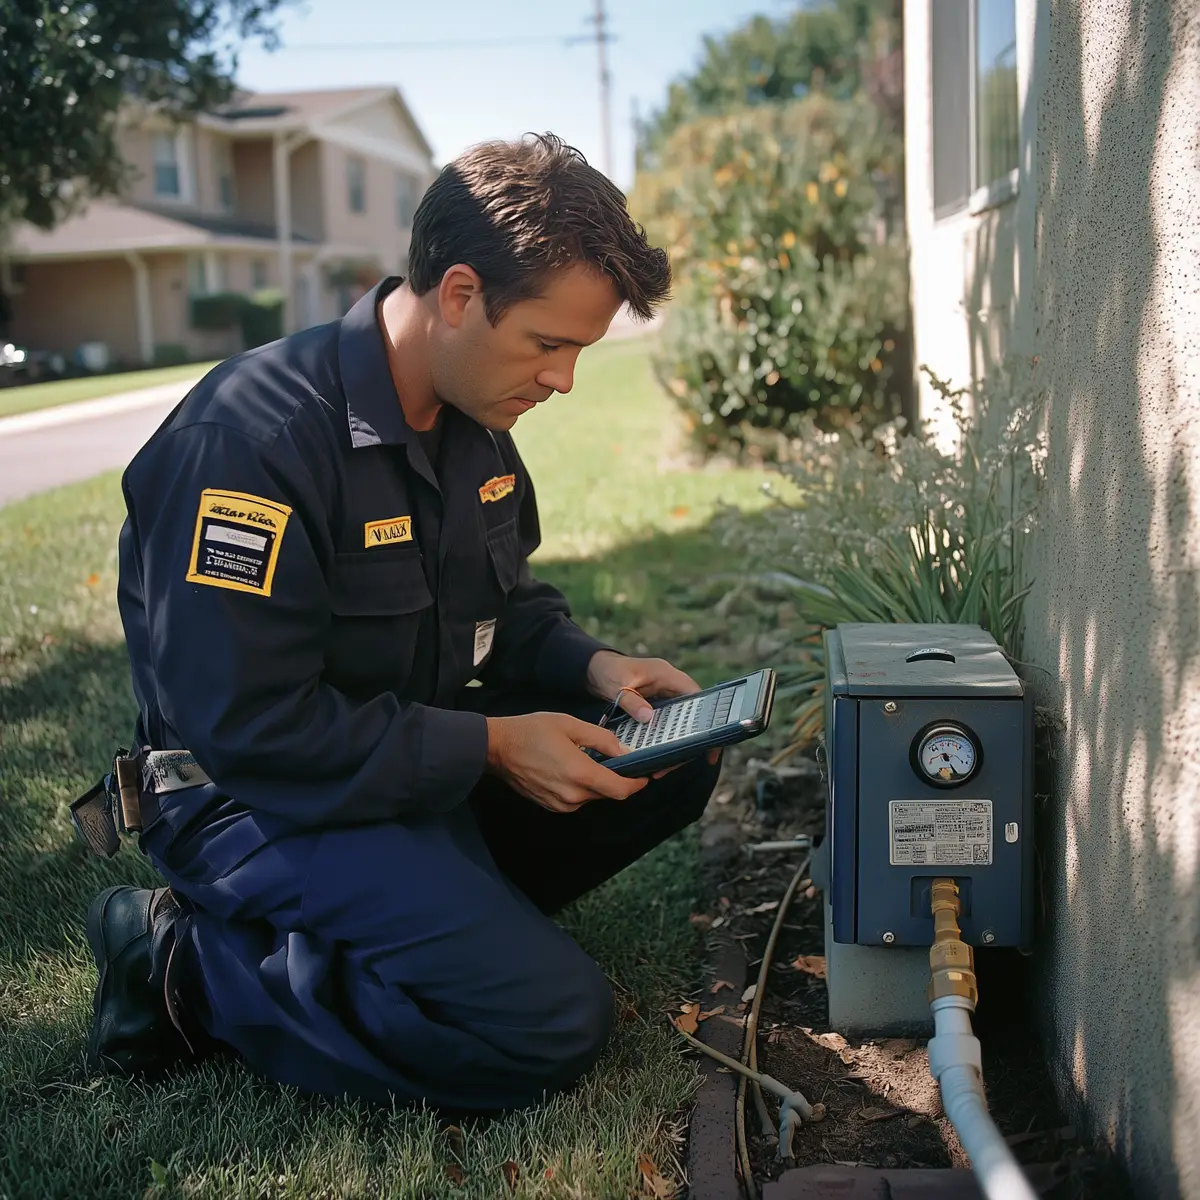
(495, 739)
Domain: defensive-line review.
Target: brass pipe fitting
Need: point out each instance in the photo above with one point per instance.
(951, 960)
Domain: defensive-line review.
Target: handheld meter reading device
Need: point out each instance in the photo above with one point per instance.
(685, 727)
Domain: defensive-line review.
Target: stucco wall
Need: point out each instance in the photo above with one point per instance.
(1115, 614)
(1095, 268)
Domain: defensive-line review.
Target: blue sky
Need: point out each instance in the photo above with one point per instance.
(466, 94)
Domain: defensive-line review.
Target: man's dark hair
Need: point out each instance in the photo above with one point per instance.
(515, 211)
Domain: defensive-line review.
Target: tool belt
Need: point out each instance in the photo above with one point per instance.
(126, 799)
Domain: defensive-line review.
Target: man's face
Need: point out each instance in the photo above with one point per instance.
(493, 374)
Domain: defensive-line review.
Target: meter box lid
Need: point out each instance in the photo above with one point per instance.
(881, 659)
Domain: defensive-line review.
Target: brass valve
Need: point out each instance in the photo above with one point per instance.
(951, 960)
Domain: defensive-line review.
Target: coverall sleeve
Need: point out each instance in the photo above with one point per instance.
(536, 641)
(239, 672)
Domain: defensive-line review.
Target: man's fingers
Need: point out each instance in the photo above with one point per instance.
(584, 733)
(635, 704)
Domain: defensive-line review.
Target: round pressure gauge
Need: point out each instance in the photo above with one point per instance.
(946, 754)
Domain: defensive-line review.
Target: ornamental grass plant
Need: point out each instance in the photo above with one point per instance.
(896, 527)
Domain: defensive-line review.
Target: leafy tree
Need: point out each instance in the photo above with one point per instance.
(68, 66)
(838, 48)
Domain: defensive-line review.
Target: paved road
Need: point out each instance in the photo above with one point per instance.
(45, 449)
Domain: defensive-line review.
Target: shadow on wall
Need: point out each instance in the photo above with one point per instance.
(1115, 615)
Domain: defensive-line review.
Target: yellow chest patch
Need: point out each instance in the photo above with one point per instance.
(497, 488)
(384, 533)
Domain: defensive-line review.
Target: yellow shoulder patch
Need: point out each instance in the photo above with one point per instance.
(384, 533)
(497, 488)
(237, 540)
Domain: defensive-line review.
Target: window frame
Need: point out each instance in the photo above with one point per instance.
(356, 162)
(167, 137)
(980, 196)
(408, 196)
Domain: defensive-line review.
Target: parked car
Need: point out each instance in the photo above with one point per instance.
(19, 365)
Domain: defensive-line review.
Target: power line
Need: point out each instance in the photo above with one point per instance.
(565, 39)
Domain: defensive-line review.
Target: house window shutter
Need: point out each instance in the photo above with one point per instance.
(950, 55)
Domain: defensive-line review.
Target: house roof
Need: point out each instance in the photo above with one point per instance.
(271, 112)
(108, 227)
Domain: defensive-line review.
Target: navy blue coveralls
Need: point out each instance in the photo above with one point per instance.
(305, 598)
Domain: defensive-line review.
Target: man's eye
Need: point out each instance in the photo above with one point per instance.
(549, 349)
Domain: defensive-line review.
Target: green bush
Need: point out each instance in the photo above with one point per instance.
(170, 354)
(262, 318)
(217, 310)
(893, 528)
(791, 297)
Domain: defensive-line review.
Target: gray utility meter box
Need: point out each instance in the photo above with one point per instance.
(929, 739)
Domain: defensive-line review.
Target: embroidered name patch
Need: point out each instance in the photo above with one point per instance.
(237, 541)
(384, 533)
(497, 488)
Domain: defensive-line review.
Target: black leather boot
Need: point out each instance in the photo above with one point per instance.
(136, 1026)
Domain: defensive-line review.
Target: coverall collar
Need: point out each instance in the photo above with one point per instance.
(372, 408)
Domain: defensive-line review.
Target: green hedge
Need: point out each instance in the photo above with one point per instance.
(217, 310)
(262, 318)
(790, 297)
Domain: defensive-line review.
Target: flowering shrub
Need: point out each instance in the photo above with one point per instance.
(791, 295)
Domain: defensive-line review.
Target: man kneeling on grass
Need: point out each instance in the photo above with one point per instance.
(326, 543)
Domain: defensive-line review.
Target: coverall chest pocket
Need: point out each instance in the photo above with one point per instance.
(504, 551)
(377, 599)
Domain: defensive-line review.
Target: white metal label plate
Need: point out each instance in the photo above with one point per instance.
(942, 833)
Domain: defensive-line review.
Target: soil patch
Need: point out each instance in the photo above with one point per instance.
(882, 1105)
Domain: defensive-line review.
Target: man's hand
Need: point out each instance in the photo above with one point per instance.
(539, 756)
(610, 675)
(608, 672)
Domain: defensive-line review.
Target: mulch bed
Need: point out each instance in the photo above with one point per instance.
(882, 1105)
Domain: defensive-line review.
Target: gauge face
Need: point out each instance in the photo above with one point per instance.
(946, 755)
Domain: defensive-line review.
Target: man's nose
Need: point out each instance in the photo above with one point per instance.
(560, 376)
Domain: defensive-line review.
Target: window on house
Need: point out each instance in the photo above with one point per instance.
(976, 135)
(166, 165)
(223, 160)
(356, 185)
(197, 280)
(407, 197)
(258, 274)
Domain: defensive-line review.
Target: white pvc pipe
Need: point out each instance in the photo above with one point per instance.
(954, 1061)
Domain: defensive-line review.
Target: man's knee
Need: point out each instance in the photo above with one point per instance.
(569, 1030)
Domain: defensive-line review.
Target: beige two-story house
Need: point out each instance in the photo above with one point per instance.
(311, 194)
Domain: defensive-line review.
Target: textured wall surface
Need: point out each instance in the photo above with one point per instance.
(1115, 615)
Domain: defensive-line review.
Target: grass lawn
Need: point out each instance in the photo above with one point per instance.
(15, 400)
(624, 536)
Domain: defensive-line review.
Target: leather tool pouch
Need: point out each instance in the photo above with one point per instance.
(111, 806)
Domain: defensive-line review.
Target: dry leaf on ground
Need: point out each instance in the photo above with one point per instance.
(720, 983)
(712, 1012)
(811, 964)
(688, 1018)
(701, 920)
(765, 907)
(653, 1183)
(748, 994)
(879, 1114)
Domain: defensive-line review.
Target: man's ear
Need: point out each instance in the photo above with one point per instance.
(460, 286)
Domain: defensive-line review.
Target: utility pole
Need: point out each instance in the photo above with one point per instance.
(602, 38)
